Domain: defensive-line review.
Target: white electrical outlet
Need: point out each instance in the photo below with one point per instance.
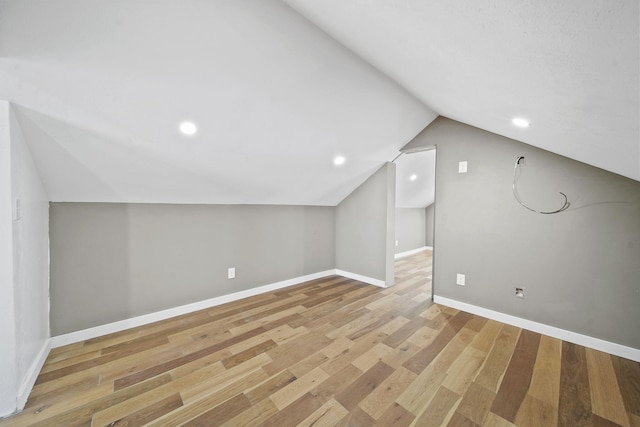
(462, 167)
(460, 278)
(231, 273)
(396, 243)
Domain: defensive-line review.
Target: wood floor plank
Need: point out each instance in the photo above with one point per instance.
(377, 402)
(294, 413)
(603, 422)
(59, 391)
(458, 420)
(420, 392)
(545, 380)
(487, 335)
(86, 411)
(476, 403)
(366, 383)
(46, 412)
(332, 351)
(628, 375)
(464, 369)
(348, 355)
(295, 389)
(423, 337)
(171, 364)
(356, 418)
(147, 413)
(574, 408)
(221, 413)
(139, 405)
(337, 382)
(517, 378)
(230, 381)
(401, 354)
(494, 420)
(249, 353)
(308, 364)
(402, 334)
(396, 415)
(535, 412)
(424, 357)
(440, 409)
(374, 355)
(493, 370)
(327, 415)
(606, 399)
(292, 351)
(257, 413)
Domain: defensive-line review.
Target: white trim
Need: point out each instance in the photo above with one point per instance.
(412, 252)
(32, 375)
(361, 278)
(541, 328)
(85, 334)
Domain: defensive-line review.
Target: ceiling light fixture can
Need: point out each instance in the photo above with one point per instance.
(520, 122)
(339, 160)
(188, 128)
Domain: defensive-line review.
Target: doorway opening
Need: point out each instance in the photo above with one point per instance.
(415, 214)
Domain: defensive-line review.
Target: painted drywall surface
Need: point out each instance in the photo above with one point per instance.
(279, 97)
(30, 255)
(391, 224)
(9, 383)
(429, 213)
(579, 269)
(112, 261)
(410, 229)
(365, 224)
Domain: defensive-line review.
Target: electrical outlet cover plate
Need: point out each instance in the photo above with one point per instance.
(462, 167)
(460, 279)
(231, 273)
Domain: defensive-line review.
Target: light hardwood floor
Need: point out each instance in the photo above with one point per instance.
(333, 352)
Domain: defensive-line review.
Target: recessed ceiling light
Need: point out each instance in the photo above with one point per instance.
(339, 160)
(413, 177)
(520, 122)
(188, 128)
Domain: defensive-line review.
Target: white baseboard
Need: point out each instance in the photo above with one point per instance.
(32, 375)
(412, 251)
(573, 337)
(85, 334)
(361, 278)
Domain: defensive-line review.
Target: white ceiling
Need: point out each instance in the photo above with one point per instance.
(420, 191)
(572, 67)
(100, 88)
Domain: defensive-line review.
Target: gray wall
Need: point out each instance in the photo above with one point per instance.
(365, 227)
(112, 261)
(580, 269)
(429, 217)
(410, 229)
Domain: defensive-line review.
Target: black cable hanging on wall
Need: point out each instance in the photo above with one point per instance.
(515, 193)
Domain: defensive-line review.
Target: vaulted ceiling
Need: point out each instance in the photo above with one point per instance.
(279, 89)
